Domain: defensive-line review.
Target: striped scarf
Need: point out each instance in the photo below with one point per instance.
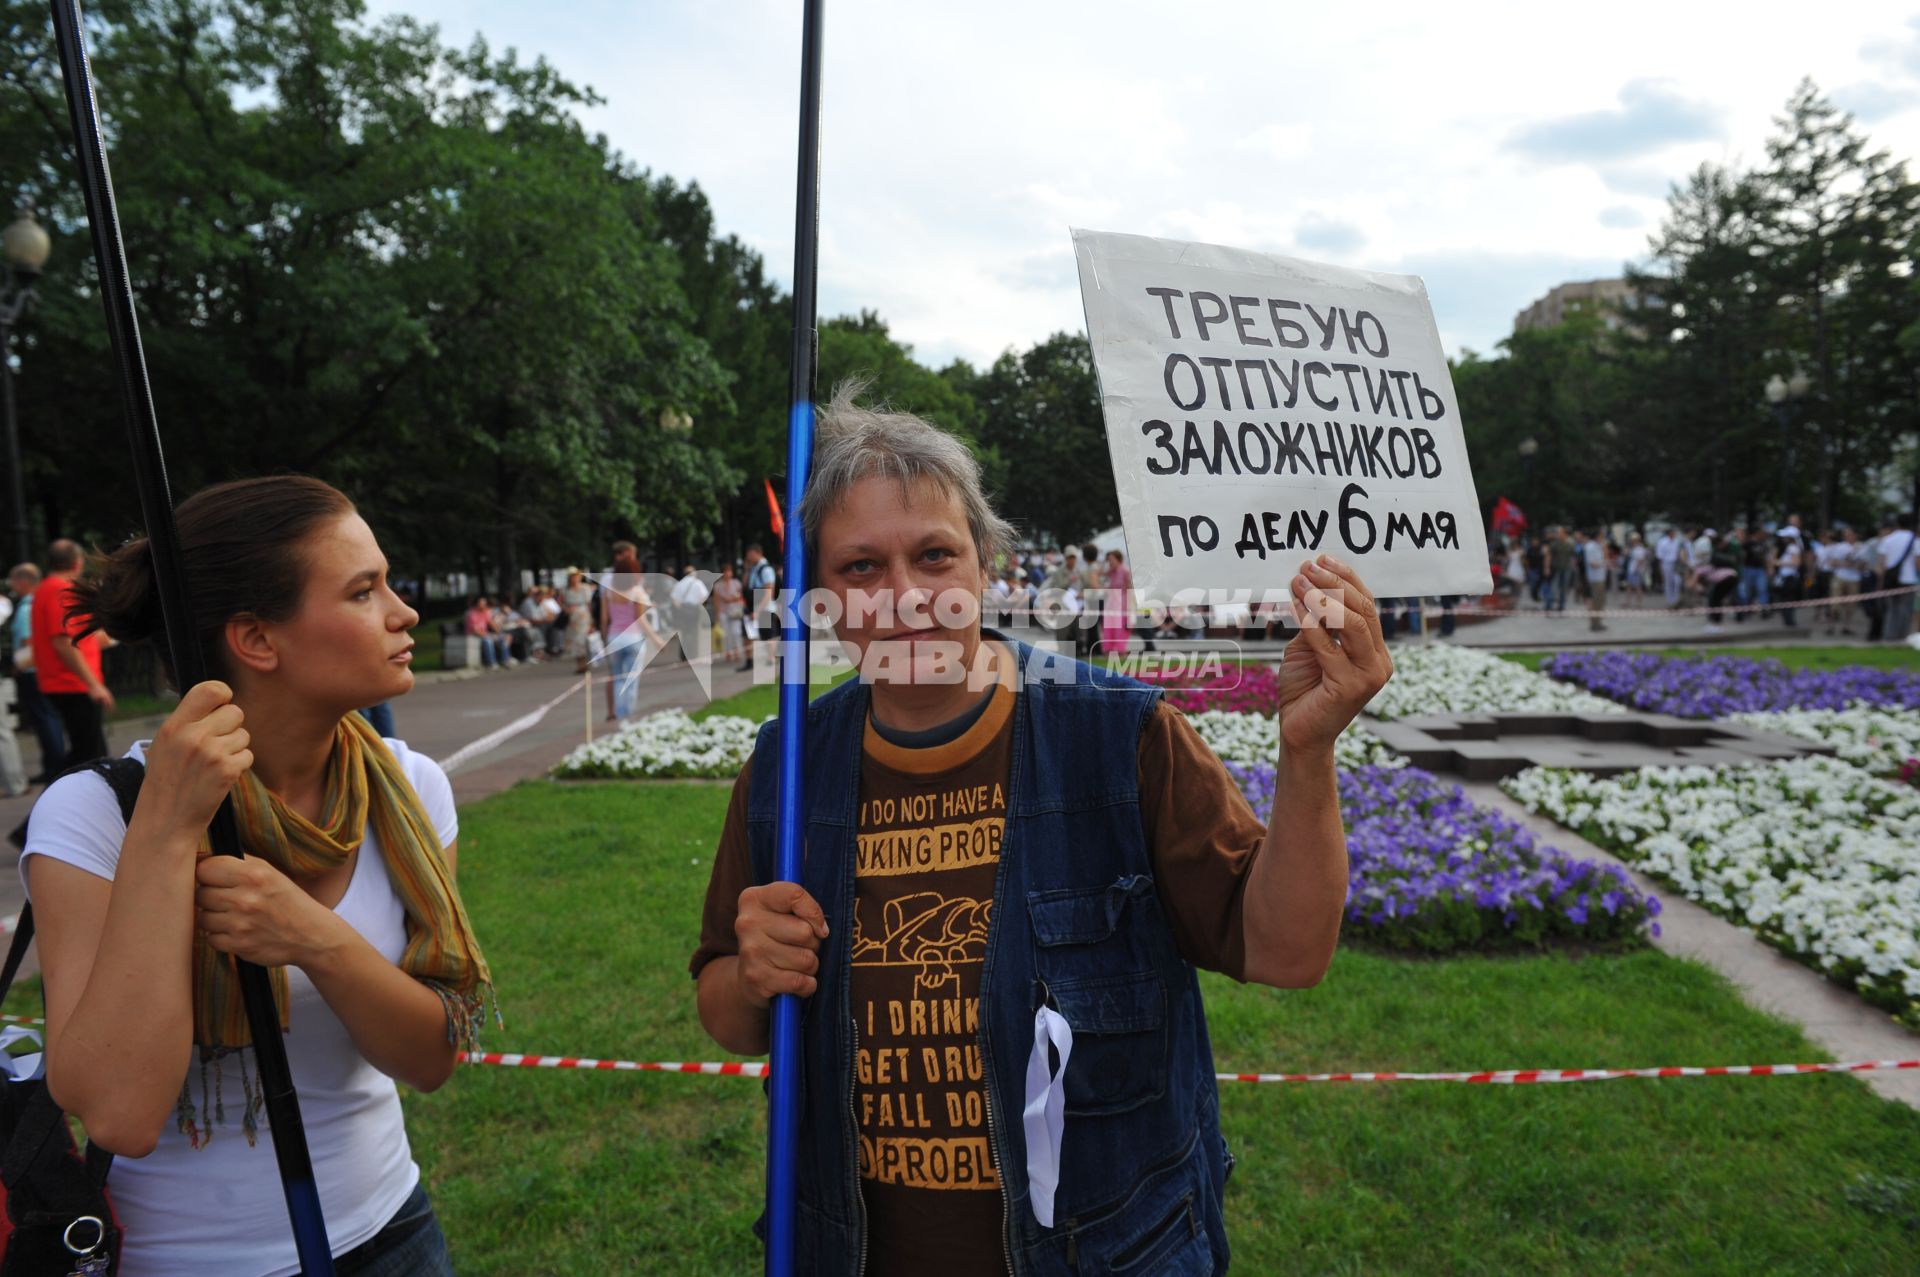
(365, 787)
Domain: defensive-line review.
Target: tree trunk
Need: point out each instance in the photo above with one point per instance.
(507, 563)
(505, 483)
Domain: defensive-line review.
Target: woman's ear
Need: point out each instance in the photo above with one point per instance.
(251, 644)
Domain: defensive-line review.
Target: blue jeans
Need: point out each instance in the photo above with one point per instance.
(39, 714)
(411, 1245)
(1559, 586)
(1899, 614)
(622, 657)
(493, 651)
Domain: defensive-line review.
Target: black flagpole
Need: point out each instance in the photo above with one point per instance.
(170, 581)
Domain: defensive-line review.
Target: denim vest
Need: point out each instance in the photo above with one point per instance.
(1078, 925)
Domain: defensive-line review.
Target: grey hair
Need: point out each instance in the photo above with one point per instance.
(853, 441)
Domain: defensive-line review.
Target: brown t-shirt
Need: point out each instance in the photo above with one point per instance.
(928, 842)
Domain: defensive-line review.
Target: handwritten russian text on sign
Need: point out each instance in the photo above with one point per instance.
(1262, 409)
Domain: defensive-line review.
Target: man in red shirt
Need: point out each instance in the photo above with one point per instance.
(68, 668)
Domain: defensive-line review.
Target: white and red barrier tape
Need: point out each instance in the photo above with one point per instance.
(728, 1068)
(1497, 1077)
(1494, 1077)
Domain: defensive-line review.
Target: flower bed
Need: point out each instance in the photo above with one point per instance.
(1428, 869)
(1249, 688)
(1714, 687)
(1439, 678)
(665, 745)
(1880, 740)
(1817, 857)
(1255, 738)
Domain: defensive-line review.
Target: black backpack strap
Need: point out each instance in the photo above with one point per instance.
(42, 1121)
(124, 776)
(17, 951)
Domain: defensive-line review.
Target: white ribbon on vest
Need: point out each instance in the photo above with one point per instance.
(1045, 1119)
(25, 1067)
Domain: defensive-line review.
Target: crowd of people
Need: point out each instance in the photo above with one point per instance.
(1094, 589)
(1756, 573)
(610, 620)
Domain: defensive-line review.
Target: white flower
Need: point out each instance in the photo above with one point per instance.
(1239, 737)
(1819, 857)
(666, 744)
(1878, 738)
(1439, 678)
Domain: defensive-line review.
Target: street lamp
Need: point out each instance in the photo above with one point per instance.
(24, 246)
(1528, 447)
(1785, 395)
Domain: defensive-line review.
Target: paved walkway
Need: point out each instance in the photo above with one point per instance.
(1835, 1019)
(1533, 628)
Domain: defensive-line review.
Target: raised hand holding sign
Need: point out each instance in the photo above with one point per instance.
(1259, 408)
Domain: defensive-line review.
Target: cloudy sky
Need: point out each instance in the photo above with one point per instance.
(1495, 149)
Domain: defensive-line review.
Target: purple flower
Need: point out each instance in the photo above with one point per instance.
(1429, 869)
(1713, 687)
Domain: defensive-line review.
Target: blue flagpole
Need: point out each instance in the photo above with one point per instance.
(783, 1125)
(286, 1129)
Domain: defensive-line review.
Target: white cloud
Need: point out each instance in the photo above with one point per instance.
(1279, 141)
(959, 143)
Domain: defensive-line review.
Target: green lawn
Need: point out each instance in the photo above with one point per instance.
(1893, 656)
(588, 901)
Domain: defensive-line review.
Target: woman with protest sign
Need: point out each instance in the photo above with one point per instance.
(1014, 864)
(346, 894)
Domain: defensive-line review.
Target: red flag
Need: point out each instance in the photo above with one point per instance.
(778, 524)
(1508, 518)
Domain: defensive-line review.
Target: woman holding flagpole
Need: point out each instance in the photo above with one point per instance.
(1014, 864)
(346, 894)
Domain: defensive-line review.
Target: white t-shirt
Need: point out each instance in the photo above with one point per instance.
(1848, 559)
(1667, 549)
(689, 590)
(1896, 552)
(1595, 554)
(219, 1208)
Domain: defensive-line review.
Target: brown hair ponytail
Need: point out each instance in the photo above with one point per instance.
(242, 542)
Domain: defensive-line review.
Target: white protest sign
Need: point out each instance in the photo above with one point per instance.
(1262, 409)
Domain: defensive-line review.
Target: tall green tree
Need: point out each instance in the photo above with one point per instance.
(1702, 324)
(1572, 391)
(1041, 418)
(360, 253)
(1837, 218)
